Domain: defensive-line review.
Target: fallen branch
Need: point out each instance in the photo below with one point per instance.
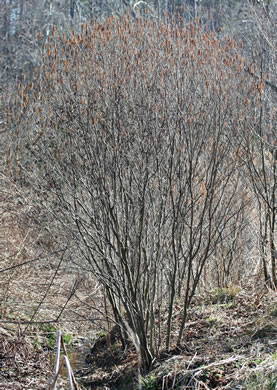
(199, 370)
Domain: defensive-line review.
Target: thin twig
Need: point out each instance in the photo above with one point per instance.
(47, 290)
(26, 262)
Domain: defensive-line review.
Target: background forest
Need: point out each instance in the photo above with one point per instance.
(138, 164)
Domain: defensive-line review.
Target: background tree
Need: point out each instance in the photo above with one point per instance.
(259, 148)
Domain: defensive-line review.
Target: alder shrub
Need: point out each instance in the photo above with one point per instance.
(259, 148)
(128, 136)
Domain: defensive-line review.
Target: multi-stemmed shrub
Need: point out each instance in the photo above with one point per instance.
(129, 138)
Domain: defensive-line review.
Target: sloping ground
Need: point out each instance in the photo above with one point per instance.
(231, 343)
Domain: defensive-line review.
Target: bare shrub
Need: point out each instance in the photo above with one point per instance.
(126, 137)
(259, 147)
